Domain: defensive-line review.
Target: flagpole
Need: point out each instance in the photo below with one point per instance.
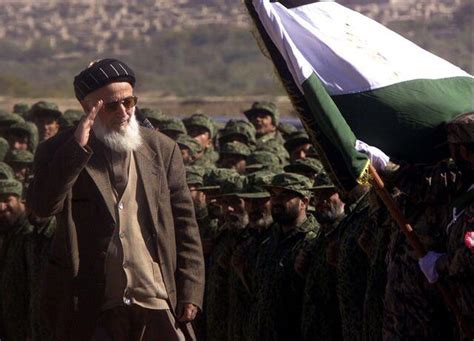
(414, 241)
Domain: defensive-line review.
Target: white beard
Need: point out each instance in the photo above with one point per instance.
(125, 140)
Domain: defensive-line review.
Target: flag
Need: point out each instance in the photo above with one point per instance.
(351, 78)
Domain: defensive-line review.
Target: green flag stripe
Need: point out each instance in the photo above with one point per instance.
(406, 120)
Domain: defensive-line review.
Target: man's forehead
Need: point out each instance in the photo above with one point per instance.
(111, 92)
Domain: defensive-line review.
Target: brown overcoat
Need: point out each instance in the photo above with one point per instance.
(72, 183)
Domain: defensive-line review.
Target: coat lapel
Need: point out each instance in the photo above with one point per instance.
(150, 175)
(97, 169)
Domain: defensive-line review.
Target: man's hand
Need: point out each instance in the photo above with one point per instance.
(84, 127)
(186, 312)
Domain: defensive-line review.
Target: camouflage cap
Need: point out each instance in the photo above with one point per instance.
(195, 175)
(4, 147)
(201, 120)
(235, 148)
(242, 128)
(286, 129)
(27, 128)
(215, 177)
(255, 185)
(262, 160)
(264, 106)
(43, 108)
(11, 186)
(296, 139)
(292, 182)
(21, 109)
(7, 119)
(322, 182)
(172, 124)
(232, 185)
(6, 172)
(304, 165)
(461, 129)
(19, 156)
(186, 141)
(70, 118)
(153, 115)
(276, 148)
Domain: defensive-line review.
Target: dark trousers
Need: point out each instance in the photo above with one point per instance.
(134, 323)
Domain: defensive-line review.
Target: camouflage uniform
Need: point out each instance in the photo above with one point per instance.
(155, 116)
(217, 290)
(233, 149)
(28, 129)
(242, 289)
(20, 160)
(21, 109)
(320, 318)
(23, 254)
(6, 172)
(238, 130)
(194, 148)
(172, 127)
(4, 147)
(210, 156)
(277, 314)
(413, 307)
(286, 129)
(351, 269)
(263, 161)
(6, 120)
(309, 167)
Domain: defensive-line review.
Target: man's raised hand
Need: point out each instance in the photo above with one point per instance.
(84, 127)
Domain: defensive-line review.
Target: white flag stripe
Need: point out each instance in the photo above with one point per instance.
(349, 52)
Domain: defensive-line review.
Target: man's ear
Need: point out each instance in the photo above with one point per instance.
(305, 201)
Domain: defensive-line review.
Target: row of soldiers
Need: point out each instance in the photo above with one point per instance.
(288, 256)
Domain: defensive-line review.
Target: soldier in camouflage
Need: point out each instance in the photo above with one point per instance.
(46, 117)
(23, 136)
(456, 264)
(6, 120)
(172, 128)
(191, 150)
(298, 145)
(263, 161)
(70, 119)
(279, 295)
(21, 161)
(309, 167)
(203, 129)
(233, 155)
(320, 313)
(240, 131)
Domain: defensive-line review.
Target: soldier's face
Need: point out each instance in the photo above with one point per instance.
(263, 123)
(11, 208)
(286, 206)
(329, 207)
(300, 152)
(236, 162)
(48, 126)
(117, 119)
(234, 211)
(186, 154)
(18, 142)
(201, 135)
(260, 212)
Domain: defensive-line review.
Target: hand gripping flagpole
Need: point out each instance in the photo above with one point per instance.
(414, 241)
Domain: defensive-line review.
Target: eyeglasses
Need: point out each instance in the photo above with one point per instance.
(127, 102)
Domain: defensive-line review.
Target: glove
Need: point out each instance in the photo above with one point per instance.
(377, 157)
(428, 265)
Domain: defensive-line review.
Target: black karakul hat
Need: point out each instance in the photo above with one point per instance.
(101, 73)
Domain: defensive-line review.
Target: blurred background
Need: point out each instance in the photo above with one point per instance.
(187, 54)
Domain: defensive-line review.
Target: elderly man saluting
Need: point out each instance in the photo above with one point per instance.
(126, 262)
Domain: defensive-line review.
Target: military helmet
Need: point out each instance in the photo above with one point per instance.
(186, 141)
(43, 108)
(7, 119)
(195, 175)
(6, 172)
(255, 185)
(11, 186)
(4, 147)
(264, 106)
(27, 128)
(201, 120)
(297, 183)
(235, 148)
